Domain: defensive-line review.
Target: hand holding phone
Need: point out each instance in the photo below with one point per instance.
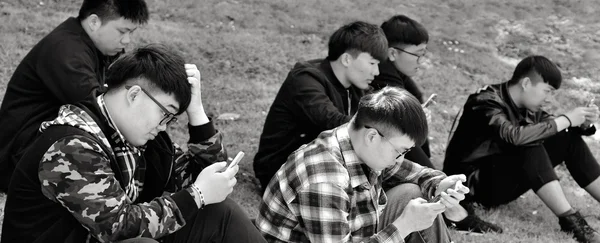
(429, 100)
(235, 161)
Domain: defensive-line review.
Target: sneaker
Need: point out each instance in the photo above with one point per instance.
(576, 225)
(472, 223)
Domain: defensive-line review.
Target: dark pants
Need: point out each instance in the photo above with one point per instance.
(398, 198)
(221, 222)
(503, 178)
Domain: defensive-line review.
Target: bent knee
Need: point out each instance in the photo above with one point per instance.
(406, 190)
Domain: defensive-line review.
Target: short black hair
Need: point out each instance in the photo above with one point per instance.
(358, 37)
(134, 10)
(402, 30)
(540, 65)
(160, 65)
(392, 110)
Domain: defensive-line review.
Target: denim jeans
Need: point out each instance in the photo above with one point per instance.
(398, 198)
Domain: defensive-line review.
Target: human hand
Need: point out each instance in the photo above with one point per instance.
(418, 215)
(579, 115)
(195, 110)
(214, 185)
(592, 117)
(427, 115)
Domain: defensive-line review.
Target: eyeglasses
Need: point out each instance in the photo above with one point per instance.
(420, 58)
(400, 154)
(168, 117)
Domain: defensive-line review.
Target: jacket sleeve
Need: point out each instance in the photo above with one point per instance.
(493, 113)
(76, 173)
(69, 75)
(409, 172)
(204, 148)
(311, 97)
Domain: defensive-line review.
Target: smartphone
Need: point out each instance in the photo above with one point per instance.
(458, 186)
(429, 101)
(235, 161)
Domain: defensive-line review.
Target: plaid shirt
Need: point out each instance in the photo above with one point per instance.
(324, 193)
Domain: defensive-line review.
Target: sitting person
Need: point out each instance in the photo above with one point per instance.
(108, 171)
(67, 66)
(407, 40)
(332, 189)
(318, 95)
(507, 144)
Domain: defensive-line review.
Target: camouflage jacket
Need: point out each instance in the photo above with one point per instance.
(78, 172)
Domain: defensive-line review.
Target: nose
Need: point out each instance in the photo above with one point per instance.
(126, 38)
(162, 127)
(376, 70)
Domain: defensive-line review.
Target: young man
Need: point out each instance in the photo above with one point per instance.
(507, 144)
(332, 189)
(66, 66)
(108, 172)
(407, 40)
(319, 94)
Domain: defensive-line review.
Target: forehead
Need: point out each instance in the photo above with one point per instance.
(365, 56)
(166, 100)
(402, 141)
(415, 48)
(121, 23)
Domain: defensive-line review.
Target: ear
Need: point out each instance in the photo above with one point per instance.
(346, 59)
(94, 22)
(133, 94)
(526, 83)
(370, 136)
(392, 54)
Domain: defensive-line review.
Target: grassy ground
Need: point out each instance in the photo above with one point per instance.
(245, 48)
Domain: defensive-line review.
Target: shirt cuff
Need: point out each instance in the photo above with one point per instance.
(202, 132)
(389, 234)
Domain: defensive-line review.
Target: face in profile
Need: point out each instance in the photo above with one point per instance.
(362, 69)
(385, 150)
(148, 114)
(536, 94)
(408, 59)
(112, 36)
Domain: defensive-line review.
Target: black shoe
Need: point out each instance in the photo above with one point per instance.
(580, 229)
(472, 223)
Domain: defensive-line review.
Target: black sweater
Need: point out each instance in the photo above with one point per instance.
(65, 67)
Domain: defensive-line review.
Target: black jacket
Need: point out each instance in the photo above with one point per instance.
(65, 67)
(390, 76)
(31, 216)
(491, 124)
(310, 101)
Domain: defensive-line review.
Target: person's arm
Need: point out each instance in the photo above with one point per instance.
(76, 173)
(491, 111)
(69, 75)
(409, 172)
(311, 97)
(204, 148)
(324, 210)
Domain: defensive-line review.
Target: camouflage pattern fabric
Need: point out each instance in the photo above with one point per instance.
(76, 172)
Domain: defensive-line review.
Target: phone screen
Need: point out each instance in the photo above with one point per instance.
(235, 160)
(429, 101)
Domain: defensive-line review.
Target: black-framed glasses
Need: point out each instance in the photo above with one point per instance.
(168, 117)
(420, 58)
(400, 154)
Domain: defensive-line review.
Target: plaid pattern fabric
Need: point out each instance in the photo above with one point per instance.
(324, 193)
(129, 158)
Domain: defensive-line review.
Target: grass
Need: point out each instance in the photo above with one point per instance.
(245, 49)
